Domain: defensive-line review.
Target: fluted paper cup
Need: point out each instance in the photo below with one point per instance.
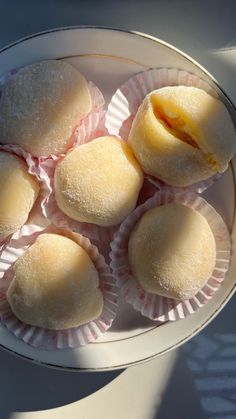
(96, 113)
(45, 338)
(154, 306)
(127, 99)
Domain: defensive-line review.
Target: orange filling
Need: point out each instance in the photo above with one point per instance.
(174, 125)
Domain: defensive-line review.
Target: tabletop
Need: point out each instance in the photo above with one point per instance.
(198, 380)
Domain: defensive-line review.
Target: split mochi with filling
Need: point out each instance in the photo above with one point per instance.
(98, 182)
(18, 193)
(41, 105)
(55, 285)
(172, 251)
(182, 135)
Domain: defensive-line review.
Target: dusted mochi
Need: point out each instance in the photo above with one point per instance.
(40, 106)
(18, 192)
(98, 182)
(55, 285)
(182, 135)
(172, 251)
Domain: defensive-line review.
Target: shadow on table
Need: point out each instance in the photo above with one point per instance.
(27, 387)
(203, 382)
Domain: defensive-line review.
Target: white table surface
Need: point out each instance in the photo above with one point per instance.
(197, 381)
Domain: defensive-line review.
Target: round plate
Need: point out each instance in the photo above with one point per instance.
(109, 57)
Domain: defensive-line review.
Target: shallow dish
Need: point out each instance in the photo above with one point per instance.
(108, 57)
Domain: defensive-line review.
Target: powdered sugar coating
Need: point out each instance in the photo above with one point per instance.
(172, 251)
(55, 292)
(154, 306)
(41, 105)
(98, 182)
(46, 338)
(182, 135)
(18, 192)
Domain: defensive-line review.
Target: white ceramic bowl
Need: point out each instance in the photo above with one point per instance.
(109, 57)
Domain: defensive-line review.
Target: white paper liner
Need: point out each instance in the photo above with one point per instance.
(86, 132)
(96, 113)
(45, 338)
(127, 99)
(154, 306)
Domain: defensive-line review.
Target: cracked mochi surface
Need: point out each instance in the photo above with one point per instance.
(182, 135)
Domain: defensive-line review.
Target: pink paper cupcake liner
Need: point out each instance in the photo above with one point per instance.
(195, 188)
(94, 120)
(45, 338)
(96, 114)
(127, 99)
(86, 132)
(154, 306)
(29, 159)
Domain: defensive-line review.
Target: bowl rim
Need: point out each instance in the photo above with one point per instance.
(230, 104)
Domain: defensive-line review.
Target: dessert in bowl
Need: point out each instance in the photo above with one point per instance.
(170, 334)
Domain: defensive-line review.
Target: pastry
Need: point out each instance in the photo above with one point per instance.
(55, 284)
(41, 105)
(18, 192)
(98, 182)
(182, 135)
(172, 251)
